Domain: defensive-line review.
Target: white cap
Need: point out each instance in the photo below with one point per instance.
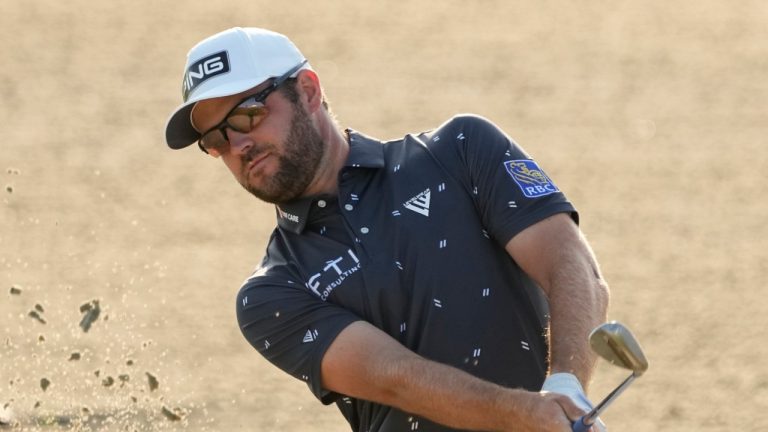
(228, 63)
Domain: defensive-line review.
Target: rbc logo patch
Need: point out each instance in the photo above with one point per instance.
(531, 179)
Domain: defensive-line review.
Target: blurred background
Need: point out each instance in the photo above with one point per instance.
(650, 116)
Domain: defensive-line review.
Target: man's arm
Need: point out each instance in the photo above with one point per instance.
(366, 363)
(555, 254)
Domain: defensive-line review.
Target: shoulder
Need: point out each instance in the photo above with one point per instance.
(465, 130)
(457, 129)
(275, 269)
(466, 134)
(267, 289)
(468, 125)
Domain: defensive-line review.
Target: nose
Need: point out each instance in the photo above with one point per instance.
(239, 143)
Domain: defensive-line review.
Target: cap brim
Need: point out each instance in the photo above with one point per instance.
(179, 132)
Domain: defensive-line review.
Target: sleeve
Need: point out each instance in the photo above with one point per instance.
(289, 326)
(510, 189)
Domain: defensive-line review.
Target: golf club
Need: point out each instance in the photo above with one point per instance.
(615, 343)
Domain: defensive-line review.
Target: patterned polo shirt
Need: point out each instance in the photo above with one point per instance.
(414, 244)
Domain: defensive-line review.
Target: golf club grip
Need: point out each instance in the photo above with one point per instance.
(580, 426)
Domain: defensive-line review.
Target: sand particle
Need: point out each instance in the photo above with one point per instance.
(90, 311)
(36, 315)
(153, 383)
(6, 415)
(173, 415)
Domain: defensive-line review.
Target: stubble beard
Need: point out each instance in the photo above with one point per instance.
(297, 165)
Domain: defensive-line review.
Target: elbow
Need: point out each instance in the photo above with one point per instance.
(602, 297)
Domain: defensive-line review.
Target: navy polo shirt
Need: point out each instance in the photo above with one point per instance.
(413, 244)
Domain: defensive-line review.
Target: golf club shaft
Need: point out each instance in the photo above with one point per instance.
(610, 398)
(587, 420)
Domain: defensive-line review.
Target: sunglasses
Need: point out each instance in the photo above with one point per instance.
(243, 118)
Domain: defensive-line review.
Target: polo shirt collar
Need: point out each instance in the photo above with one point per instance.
(364, 152)
(292, 216)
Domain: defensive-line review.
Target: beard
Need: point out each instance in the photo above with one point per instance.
(297, 165)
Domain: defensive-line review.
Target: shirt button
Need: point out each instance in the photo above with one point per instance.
(364, 230)
(349, 207)
(321, 203)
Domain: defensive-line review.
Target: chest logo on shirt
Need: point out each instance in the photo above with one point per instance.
(334, 272)
(419, 203)
(530, 178)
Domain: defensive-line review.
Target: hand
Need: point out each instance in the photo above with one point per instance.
(568, 385)
(548, 412)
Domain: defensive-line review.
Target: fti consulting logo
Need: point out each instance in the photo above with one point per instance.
(531, 179)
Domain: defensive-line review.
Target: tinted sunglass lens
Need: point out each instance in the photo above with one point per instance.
(214, 141)
(240, 123)
(244, 119)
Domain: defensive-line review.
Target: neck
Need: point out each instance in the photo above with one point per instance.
(337, 150)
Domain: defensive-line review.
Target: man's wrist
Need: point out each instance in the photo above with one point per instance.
(567, 384)
(563, 380)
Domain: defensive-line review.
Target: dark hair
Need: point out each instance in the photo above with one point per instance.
(292, 94)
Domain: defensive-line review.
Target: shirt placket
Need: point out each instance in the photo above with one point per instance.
(350, 200)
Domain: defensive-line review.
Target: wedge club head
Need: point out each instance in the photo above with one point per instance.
(615, 343)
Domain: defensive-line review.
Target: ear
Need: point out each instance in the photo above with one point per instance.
(311, 92)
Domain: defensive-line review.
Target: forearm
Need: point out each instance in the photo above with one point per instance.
(455, 398)
(578, 300)
(556, 255)
(365, 363)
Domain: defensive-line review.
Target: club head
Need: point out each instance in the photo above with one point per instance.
(616, 344)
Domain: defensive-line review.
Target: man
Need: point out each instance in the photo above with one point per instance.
(405, 280)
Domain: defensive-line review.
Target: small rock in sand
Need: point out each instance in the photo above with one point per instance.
(90, 311)
(34, 314)
(153, 383)
(173, 415)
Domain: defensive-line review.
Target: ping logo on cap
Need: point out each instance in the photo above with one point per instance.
(203, 69)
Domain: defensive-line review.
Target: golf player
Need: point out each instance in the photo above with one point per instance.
(435, 282)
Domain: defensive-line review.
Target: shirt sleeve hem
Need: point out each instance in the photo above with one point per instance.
(325, 396)
(521, 225)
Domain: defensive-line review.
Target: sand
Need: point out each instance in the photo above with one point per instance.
(651, 117)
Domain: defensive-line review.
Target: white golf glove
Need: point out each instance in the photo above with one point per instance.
(568, 385)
